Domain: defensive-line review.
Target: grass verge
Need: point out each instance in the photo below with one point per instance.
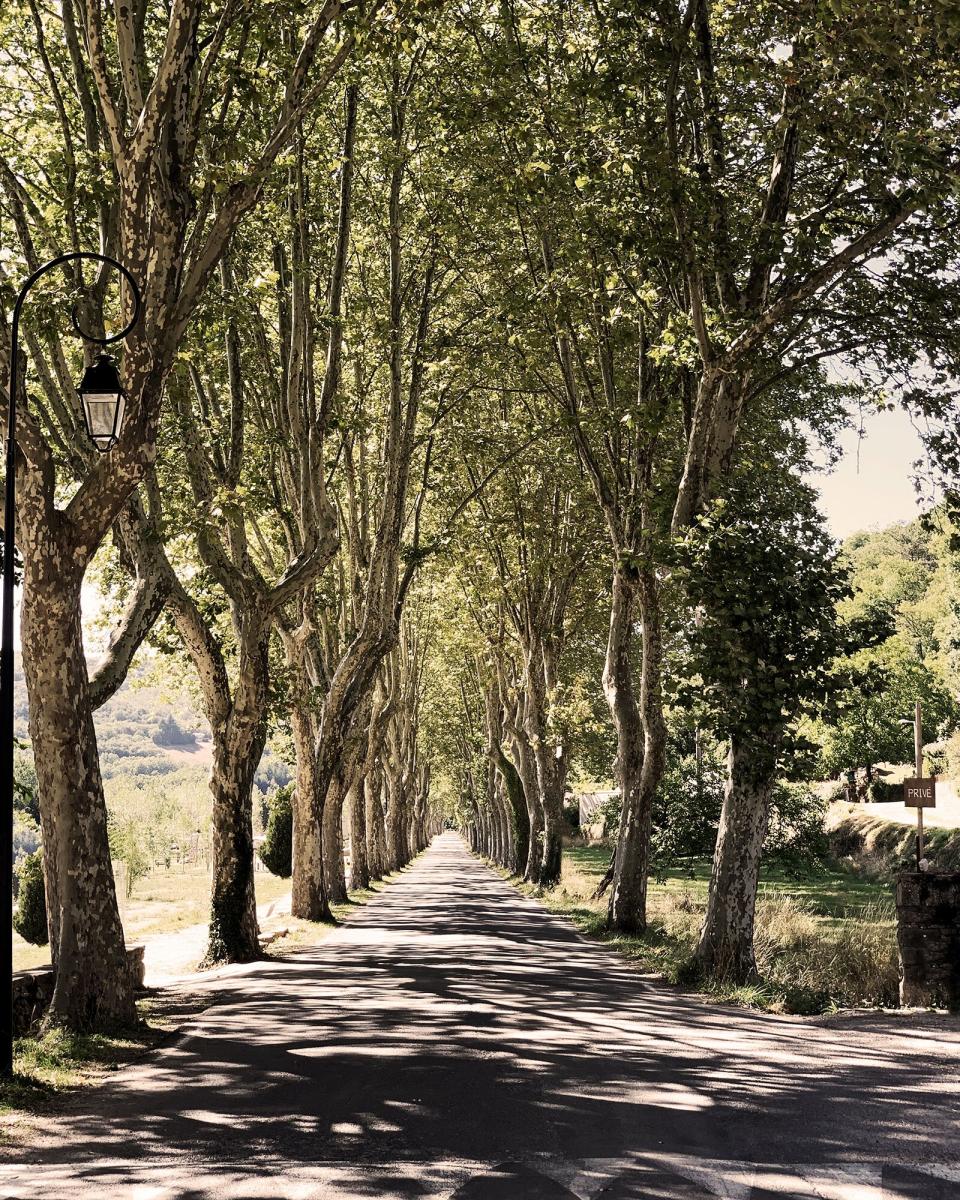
(825, 940)
(49, 1067)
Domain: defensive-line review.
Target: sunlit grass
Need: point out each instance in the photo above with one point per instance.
(165, 901)
(48, 1066)
(825, 939)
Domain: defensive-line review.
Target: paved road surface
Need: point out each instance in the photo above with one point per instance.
(454, 1040)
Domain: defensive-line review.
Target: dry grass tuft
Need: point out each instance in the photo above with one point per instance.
(815, 951)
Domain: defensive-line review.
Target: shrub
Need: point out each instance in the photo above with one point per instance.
(795, 834)
(882, 790)
(276, 853)
(169, 733)
(609, 814)
(686, 810)
(30, 916)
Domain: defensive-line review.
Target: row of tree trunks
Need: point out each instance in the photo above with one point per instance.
(149, 117)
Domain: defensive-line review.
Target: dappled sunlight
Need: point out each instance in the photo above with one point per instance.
(452, 1025)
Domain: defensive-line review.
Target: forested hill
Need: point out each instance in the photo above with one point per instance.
(910, 573)
(151, 727)
(906, 581)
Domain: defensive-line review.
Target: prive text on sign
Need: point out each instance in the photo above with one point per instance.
(920, 793)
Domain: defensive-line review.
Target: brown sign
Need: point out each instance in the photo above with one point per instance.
(920, 793)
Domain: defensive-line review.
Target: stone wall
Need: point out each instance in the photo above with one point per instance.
(928, 937)
(33, 990)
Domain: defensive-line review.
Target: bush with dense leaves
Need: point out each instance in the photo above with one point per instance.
(686, 810)
(796, 836)
(30, 915)
(882, 790)
(276, 852)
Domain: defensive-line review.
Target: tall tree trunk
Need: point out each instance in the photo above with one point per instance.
(392, 801)
(641, 743)
(549, 759)
(520, 821)
(505, 823)
(93, 987)
(234, 935)
(726, 948)
(308, 896)
(513, 794)
(334, 876)
(527, 770)
(376, 834)
(237, 750)
(359, 871)
(512, 708)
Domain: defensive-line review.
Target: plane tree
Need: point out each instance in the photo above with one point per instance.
(151, 135)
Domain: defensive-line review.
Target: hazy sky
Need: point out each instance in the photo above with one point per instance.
(873, 485)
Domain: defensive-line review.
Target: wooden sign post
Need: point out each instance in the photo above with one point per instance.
(919, 793)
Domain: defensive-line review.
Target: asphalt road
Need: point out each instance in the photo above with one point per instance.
(454, 1040)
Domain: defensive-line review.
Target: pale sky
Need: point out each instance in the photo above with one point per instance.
(873, 484)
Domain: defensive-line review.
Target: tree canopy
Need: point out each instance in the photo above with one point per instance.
(483, 351)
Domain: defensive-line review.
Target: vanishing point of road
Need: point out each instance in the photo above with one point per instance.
(455, 1040)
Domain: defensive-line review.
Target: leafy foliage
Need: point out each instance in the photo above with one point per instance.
(905, 582)
(763, 582)
(276, 852)
(30, 915)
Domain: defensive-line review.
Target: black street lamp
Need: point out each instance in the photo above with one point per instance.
(103, 399)
(103, 405)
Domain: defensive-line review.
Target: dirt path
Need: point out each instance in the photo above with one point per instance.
(172, 957)
(455, 1040)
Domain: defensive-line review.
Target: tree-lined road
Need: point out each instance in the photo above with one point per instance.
(455, 1040)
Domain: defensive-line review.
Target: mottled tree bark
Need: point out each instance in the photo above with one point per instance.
(641, 742)
(376, 833)
(308, 895)
(725, 950)
(513, 792)
(520, 821)
(549, 757)
(527, 770)
(93, 987)
(334, 876)
(237, 750)
(359, 869)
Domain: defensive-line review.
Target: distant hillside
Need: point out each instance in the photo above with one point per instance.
(144, 730)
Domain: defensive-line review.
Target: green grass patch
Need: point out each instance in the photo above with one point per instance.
(48, 1067)
(825, 938)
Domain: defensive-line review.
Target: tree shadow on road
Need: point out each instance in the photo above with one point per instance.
(453, 1039)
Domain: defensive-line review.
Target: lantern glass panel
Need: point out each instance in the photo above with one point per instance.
(104, 413)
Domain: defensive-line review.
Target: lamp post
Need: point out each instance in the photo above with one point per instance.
(103, 399)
